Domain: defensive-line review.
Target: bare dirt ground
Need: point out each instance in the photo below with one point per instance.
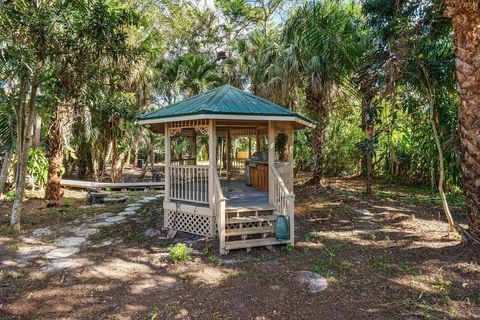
(389, 257)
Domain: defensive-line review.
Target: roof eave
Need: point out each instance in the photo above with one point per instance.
(293, 118)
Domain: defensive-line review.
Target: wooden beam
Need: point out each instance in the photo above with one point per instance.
(271, 161)
(229, 154)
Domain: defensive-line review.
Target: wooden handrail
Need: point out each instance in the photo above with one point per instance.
(220, 204)
(284, 201)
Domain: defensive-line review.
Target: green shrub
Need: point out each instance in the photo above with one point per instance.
(179, 253)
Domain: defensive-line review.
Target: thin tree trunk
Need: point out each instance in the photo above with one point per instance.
(441, 167)
(441, 172)
(135, 151)
(24, 140)
(56, 145)
(5, 169)
(465, 16)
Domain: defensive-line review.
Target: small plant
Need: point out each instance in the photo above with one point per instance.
(408, 268)
(10, 196)
(308, 237)
(372, 236)
(381, 264)
(154, 313)
(289, 248)
(179, 253)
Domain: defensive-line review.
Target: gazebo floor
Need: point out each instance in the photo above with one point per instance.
(240, 195)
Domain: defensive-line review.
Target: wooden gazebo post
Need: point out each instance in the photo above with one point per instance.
(167, 162)
(212, 161)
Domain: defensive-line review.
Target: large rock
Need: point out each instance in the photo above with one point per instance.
(311, 280)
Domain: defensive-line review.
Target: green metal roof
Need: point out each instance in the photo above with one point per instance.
(224, 100)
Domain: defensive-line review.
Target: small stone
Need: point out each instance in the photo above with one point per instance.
(132, 208)
(152, 232)
(311, 280)
(62, 252)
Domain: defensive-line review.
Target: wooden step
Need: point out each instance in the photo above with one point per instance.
(249, 209)
(241, 244)
(246, 231)
(272, 217)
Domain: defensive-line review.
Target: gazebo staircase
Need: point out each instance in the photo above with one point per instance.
(249, 227)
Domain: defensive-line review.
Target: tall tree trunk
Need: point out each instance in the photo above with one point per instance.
(465, 16)
(25, 116)
(56, 145)
(369, 131)
(7, 160)
(135, 151)
(37, 131)
(321, 113)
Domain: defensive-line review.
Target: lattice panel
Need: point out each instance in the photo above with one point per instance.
(189, 222)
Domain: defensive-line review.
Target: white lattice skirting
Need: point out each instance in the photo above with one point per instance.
(191, 219)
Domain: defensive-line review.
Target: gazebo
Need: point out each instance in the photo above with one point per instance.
(209, 188)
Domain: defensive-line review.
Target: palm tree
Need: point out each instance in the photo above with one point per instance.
(465, 16)
(320, 51)
(198, 74)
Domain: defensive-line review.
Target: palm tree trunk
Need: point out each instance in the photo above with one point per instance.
(56, 145)
(321, 114)
(7, 160)
(465, 16)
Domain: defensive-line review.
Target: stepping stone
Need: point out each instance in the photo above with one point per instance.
(132, 208)
(27, 253)
(63, 263)
(149, 198)
(70, 241)
(42, 232)
(115, 219)
(133, 204)
(62, 252)
(102, 224)
(104, 215)
(86, 232)
(311, 280)
(127, 213)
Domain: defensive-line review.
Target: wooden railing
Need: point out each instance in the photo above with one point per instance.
(285, 170)
(238, 165)
(183, 162)
(220, 202)
(283, 200)
(189, 183)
